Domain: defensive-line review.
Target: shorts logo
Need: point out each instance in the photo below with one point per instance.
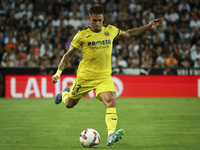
(106, 33)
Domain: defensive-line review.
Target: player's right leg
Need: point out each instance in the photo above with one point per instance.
(70, 97)
(60, 97)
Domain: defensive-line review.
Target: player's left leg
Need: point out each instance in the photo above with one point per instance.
(108, 99)
(106, 92)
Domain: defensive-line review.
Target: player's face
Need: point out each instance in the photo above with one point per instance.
(96, 21)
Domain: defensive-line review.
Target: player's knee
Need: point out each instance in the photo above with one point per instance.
(110, 102)
(69, 105)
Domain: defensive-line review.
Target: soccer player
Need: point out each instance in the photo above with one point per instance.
(94, 70)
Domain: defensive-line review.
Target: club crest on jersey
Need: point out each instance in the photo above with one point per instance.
(106, 33)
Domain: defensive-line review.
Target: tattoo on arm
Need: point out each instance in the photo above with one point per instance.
(137, 31)
(66, 58)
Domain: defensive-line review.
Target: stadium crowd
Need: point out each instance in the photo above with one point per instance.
(36, 33)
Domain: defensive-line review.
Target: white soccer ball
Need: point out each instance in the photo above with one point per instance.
(89, 138)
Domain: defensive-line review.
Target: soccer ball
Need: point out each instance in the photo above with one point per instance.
(89, 138)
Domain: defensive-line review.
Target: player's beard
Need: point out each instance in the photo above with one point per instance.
(97, 28)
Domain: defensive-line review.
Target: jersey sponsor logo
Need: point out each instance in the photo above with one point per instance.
(106, 33)
(104, 42)
(114, 118)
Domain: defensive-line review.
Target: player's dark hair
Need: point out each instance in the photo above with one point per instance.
(96, 9)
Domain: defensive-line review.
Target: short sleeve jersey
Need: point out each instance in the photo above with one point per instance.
(96, 49)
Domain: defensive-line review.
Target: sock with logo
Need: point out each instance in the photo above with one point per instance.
(111, 119)
(64, 96)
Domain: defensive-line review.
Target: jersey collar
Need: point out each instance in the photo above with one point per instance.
(96, 31)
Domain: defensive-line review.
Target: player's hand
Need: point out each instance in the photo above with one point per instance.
(155, 22)
(55, 78)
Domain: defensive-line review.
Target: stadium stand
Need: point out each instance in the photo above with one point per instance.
(36, 33)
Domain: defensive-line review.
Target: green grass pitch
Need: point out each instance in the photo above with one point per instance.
(149, 124)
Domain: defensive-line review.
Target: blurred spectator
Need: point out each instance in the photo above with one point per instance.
(1, 50)
(42, 70)
(29, 5)
(10, 38)
(195, 22)
(183, 40)
(74, 21)
(122, 14)
(56, 22)
(74, 6)
(184, 48)
(111, 6)
(46, 48)
(171, 61)
(184, 60)
(84, 7)
(74, 61)
(196, 42)
(135, 7)
(195, 55)
(156, 39)
(158, 7)
(183, 6)
(167, 71)
(171, 16)
(160, 58)
(121, 62)
(145, 19)
(27, 12)
(75, 12)
(120, 72)
(32, 58)
(147, 61)
(195, 11)
(146, 58)
(6, 62)
(134, 47)
(160, 62)
(160, 34)
(197, 64)
(85, 21)
(5, 5)
(150, 13)
(18, 62)
(39, 6)
(125, 54)
(134, 61)
(45, 60)
(121, 44)
(10, 45)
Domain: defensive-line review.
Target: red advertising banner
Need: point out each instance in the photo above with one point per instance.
(24, 86)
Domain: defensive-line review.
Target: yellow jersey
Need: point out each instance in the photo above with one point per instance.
(96, 49)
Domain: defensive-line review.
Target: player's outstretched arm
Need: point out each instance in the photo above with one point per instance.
(63, 63)
(137, 31)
